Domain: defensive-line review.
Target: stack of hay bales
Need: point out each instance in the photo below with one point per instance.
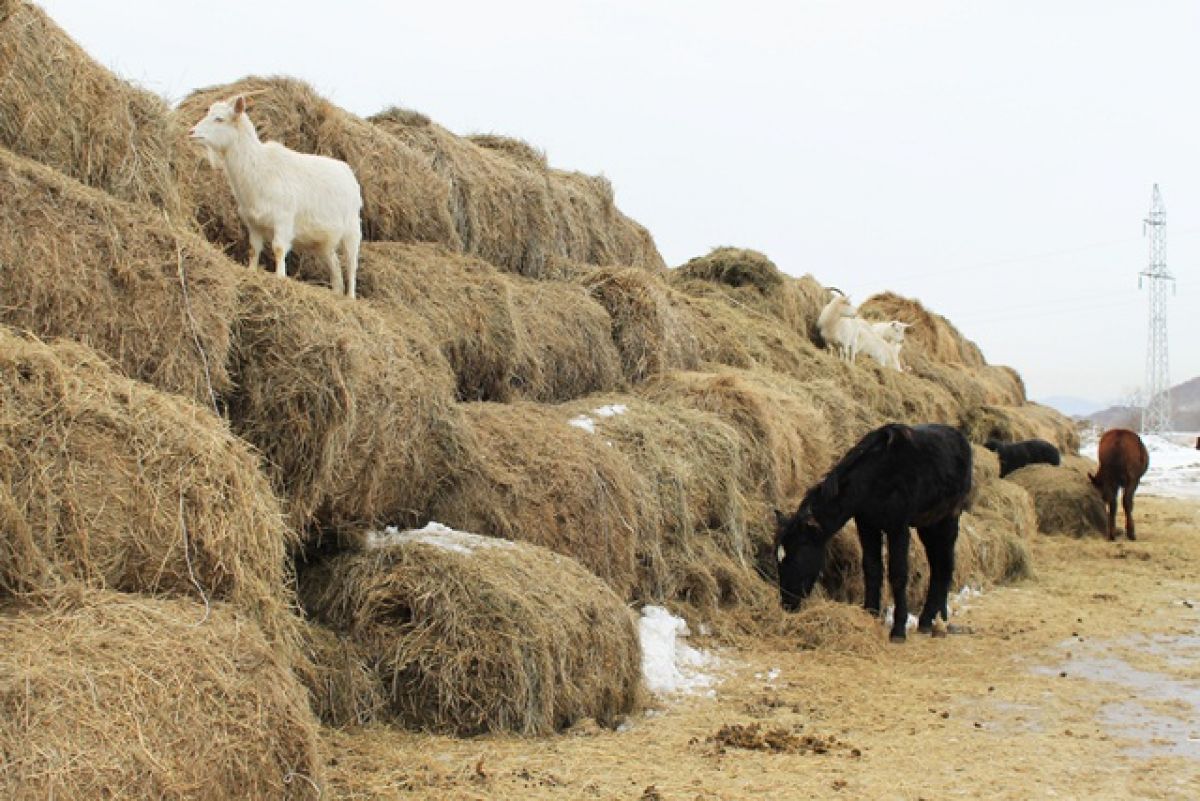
(403, 200)
(58, 106)
(511, 209)
(472, 634)
(353, 412)
(108, 695)
(78, 263)
(504, 305)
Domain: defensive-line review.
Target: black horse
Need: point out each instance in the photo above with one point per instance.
(895, 477)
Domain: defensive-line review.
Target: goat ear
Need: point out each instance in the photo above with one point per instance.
(239, 104)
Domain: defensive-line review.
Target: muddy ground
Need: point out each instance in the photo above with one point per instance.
(1083, 682)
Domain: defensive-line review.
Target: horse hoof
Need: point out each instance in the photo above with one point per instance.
(897, 638)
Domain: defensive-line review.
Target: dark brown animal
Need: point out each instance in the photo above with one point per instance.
(1123, 462)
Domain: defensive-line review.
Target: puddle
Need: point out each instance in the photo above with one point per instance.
(1154, 732)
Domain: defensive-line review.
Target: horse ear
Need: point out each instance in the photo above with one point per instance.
(899, 434)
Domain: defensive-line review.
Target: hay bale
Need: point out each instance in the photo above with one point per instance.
(473, 634)
(517, 150)
(570, 336)
(652, 326)
(1027, 421)
(734, 267)
(62, 108)
(535, 478)
(786, 440)
(467, 306)
(354, 414)
(512, 210)
(77, 263)
(403, 199)
(505, 337)
(696, 548)
(104, 695)
(1066, 502)
(108, 482)
(343, 689)
(750, 280)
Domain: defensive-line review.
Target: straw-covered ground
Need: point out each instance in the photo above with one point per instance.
(1040, 700)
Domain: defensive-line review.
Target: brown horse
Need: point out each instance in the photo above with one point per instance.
(1123, 462)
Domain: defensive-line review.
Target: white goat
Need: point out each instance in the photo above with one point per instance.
(297, 200)
(892, 333)
(838, 326)
(871, 341)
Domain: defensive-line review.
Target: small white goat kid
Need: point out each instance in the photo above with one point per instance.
(877, 341)
(296, 200)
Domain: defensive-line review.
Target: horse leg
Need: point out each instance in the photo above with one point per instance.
(871, 540)
(1110, 501)
(1127, 504)
(939, 540)
(898, 579)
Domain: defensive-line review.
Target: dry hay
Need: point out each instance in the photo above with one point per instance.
(343, 690)
(403, 199)
(509, 208)
(105, 695)
(534, 478)
(354, 414)
(473, 634)
(517, 150)
(62, 108)
(1066, 502)
(832, 626)
(652, 325)
(505, 337)
(697, 548)
(786, 440)
(1027, 421)
(109, 482)
(570, 336)
(80, 264)
(931, 334)
(748, 279)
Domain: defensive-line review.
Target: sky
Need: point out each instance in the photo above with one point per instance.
(993, 160)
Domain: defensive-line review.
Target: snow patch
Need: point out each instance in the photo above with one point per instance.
(669, 664)
(611, 410)
(584, 422)
(438, 536)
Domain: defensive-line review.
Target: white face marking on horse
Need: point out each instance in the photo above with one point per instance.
(780, 553)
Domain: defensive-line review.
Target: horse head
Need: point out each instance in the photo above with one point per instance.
(799, 554)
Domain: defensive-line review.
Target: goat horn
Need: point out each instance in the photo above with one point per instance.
(835, 289)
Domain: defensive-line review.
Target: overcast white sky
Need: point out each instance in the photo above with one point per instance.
(992, 159)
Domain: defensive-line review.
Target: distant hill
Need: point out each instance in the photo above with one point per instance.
(1071, 405)
(1185, 410)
